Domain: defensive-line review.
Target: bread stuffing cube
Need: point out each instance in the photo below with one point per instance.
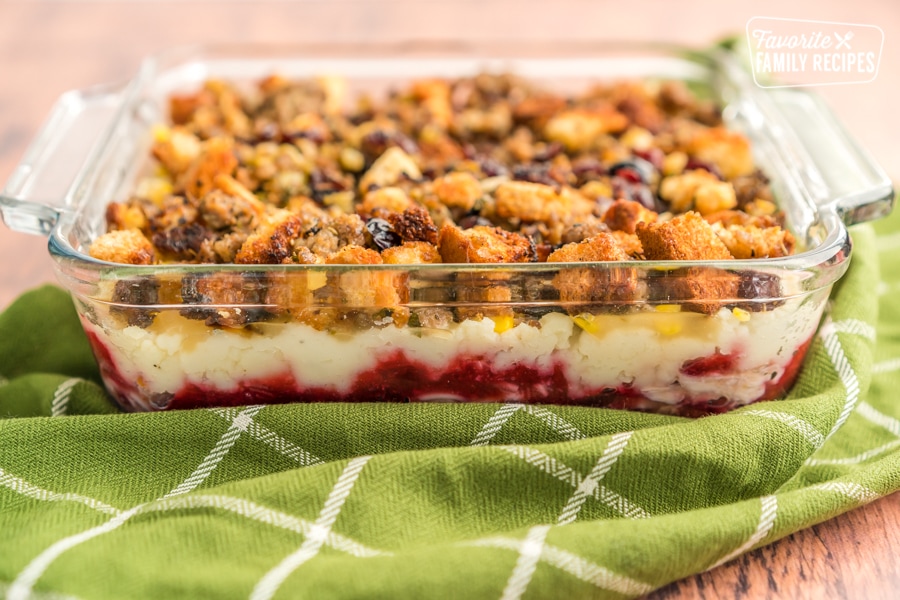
(414, 225)
(727, 150)
(411, 253)
(624, 215)
(458, 190)
(699, 190)
(388, 198)
(699, 289)
(483, 244)
(272, 241)
(685, 237)
(127, 246)
(749, 241)
(388, 169)
(689, 237)
(362, 288)
(530, 202)
(216, 158)
(604, 283)
(175, 148)
(580, 129)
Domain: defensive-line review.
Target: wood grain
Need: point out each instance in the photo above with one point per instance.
(853, 556)
(47, 48)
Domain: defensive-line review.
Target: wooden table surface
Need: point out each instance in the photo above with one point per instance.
(47, 48)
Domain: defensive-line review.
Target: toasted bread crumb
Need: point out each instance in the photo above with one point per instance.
(126, 246)
(602, 246)
(624, 215)
(685, 237)
(531, 202)
(411, 253)
(484, 244)
(749, 241)
(272, 242)
(458, 190)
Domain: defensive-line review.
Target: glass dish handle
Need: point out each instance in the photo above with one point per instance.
(42, 188)
(850, 180)
(834, 173)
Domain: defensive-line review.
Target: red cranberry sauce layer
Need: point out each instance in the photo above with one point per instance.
(397, 378)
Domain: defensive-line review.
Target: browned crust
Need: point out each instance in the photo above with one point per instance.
(127, 246)
(685, 237)
(483, 244)
(484, 169)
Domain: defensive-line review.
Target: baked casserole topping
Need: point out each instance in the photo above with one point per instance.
(483, 169)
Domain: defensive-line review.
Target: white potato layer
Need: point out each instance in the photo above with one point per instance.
(645, 350)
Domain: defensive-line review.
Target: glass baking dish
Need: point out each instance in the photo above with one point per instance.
(635, 335)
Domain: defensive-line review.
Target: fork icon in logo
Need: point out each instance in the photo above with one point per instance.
(843, 41)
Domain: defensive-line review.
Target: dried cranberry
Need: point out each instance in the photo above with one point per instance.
(763, 288)
(654, 156)
(588, 168)
(534, 173)
(383, 235)
(549, 152)
(492, 168)
(374, 144)
(266, 131)
(714, 364)
(696, 163)
(317, 135)
(474, 221)
(629, 174)
(628, 189)
(636, 170)
(325, 181)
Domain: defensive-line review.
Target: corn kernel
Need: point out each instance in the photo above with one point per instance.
(760, 207)
(587, 322)
(668, 308)
(637, 138)
(503, 323)
(740, 314)
(615, 154)
(596, 189)
(669, 327)
(713, 197)
(352, 159)
(155, 189)
(430, 135)
(161, 133)
(674, 163)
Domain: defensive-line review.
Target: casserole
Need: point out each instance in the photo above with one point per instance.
(455, 331)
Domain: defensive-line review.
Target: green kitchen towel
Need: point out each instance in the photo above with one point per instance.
(429, 501)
